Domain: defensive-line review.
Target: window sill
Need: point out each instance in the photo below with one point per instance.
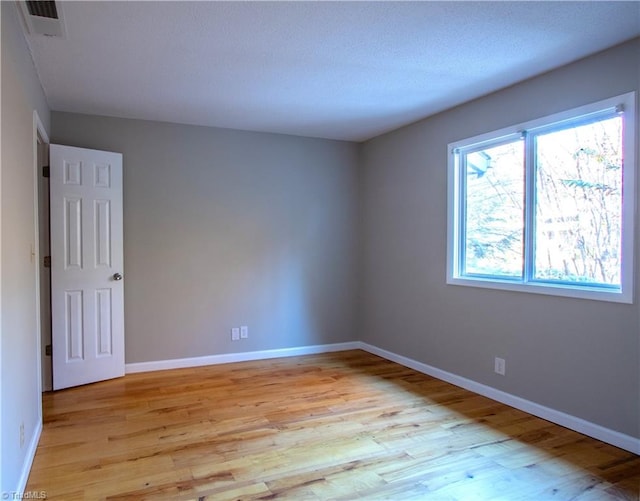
(576, 292)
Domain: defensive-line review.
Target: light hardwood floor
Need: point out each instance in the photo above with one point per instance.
(345, 425)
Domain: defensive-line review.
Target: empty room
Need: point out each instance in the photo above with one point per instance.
(320, 250)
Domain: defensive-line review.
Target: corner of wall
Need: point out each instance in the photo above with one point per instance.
(20, 398)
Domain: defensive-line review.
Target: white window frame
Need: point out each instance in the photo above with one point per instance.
(625, 104)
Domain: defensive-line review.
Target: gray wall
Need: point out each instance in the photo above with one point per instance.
(310, 241)
(226, 228)
(576, 356)
(19, 376)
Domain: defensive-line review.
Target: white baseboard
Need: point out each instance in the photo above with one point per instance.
(29, 457)
(580, 425)
(181, 363)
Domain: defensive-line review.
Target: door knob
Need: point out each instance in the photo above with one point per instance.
(117, 276)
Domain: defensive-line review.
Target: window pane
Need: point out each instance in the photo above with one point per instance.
(579, 203)
(494, 211)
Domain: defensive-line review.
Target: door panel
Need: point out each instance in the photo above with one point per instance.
(104, 313)
(72, 233)
(87, 293)
(103, 244)
(74, 326)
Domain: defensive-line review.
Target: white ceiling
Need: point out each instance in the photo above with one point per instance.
(341, 70)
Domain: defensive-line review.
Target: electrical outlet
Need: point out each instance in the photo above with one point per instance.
(21, 435)
(500, 366)
(244, 332)
(235, 334)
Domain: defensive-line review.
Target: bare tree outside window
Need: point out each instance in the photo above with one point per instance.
(578, 206)
(495, 210)
(578, 216)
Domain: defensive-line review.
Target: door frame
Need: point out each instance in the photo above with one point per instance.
(40, 139)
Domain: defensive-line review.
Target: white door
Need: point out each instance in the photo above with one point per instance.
(87, 300)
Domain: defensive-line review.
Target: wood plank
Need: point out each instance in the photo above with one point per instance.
(333, 426)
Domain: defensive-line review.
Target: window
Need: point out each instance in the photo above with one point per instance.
(547, 206)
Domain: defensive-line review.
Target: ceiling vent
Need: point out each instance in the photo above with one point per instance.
(43, 18)
(43, 9)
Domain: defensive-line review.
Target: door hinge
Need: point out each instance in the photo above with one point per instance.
(45, 171)
(48, 350)
(47, 262)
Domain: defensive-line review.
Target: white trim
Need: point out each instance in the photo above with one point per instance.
(580, 425)
(30, 456)
(455, 214)
(39, 127)
(39, 135)
(548, 289)
(226, 358)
